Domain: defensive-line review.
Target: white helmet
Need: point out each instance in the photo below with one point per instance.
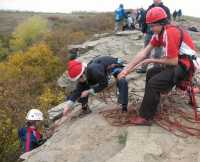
(34, 114)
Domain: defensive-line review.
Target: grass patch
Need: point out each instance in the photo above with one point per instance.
(122, 138)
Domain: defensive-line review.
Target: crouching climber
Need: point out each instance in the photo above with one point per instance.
(92, 78)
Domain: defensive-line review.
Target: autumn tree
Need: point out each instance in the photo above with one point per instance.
(28, 33)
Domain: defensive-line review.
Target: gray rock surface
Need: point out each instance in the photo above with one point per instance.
(92, 139)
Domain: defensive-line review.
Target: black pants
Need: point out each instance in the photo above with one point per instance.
(122, 86)
(158, 80)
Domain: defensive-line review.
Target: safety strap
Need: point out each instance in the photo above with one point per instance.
(28, 139)
(184, 56)
(181, 36)
(191, 58)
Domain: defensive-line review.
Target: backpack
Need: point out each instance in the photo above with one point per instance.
(182, 72)
(195, 60)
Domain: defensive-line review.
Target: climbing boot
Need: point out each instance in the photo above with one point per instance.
(85, 111)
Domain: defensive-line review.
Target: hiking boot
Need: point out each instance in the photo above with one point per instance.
(124, 108)
(85, 111)
(141, 71)
(139, 121)
(124, 111)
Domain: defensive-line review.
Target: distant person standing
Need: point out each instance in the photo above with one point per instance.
(129, 22)
(140, 17)
(119, 17)
(148, 34)
(179, 14)
(174, 15)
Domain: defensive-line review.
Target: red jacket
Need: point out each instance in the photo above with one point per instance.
(173, 45)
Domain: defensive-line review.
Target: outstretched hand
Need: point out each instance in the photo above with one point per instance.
(122, 74)
(60, 121)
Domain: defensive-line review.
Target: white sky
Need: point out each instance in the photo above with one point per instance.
(189, 7)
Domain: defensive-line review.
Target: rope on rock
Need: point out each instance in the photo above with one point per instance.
(172, 118)
(177, 120)
(115, 117)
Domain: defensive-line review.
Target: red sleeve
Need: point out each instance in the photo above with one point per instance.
(172, 42)
(155, 41)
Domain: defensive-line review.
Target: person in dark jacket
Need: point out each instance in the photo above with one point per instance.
(141, 17)
(92, 78)
(179, 14)
(149, 33)
(174, 15)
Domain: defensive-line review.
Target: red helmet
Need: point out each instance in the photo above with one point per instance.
(75, 69)
(155, 14)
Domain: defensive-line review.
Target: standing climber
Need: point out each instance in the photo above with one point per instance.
(141, 17)
(119, 17)
(174, 15)
(146, 29)
(179, 62)
(129, 22)
(179, 14)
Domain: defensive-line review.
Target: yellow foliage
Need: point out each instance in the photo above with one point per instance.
(28, 32)
(28, 75)
(3, 51)
(8, 135)
(50, 98)
(23, 77)
(37, 61)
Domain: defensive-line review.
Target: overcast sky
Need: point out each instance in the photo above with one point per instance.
(189, 7)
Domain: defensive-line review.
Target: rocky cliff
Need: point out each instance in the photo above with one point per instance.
(92, 139)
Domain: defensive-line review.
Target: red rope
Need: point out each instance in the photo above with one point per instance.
(178, 122)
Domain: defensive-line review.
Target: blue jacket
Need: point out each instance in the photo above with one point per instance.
(119, 14)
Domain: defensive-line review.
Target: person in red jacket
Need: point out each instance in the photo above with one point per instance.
(177, 63)
(148, 33)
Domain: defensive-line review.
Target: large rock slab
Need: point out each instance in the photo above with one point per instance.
(86, 140)
(153, 144)
(91, 139)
